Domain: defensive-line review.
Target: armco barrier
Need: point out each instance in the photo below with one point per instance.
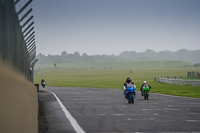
(180, 81)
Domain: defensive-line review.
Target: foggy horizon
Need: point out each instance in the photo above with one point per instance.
(119, 53)
(114, 26)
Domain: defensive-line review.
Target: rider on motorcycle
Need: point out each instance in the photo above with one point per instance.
(42, 82)
(128, 83)
(144, 84)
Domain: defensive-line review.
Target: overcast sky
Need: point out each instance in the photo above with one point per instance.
(113, 26)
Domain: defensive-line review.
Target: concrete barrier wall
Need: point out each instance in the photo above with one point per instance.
(18, 102)
(180, 81)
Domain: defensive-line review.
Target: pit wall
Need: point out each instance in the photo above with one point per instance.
(18, 102)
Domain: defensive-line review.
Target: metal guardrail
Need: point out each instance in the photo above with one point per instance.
(171, 77)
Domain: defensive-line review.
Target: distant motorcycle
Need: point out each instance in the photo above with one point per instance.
(43, 84)
(130, 94)
(145, 91)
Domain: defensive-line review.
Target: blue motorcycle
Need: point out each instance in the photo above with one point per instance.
(130, 94)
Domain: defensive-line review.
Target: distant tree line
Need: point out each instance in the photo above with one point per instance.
(148, 55)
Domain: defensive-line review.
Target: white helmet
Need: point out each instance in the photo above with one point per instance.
(145, 82)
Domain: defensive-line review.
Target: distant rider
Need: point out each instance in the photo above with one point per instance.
(42, 81)
(144, 84)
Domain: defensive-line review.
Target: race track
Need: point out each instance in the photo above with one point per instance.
(106, 110)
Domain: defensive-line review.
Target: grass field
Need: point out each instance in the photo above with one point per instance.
(113, 65)
(114, 78)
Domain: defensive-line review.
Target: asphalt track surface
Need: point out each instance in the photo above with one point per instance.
(107, 111)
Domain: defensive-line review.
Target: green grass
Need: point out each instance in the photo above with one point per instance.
(114, 65)
(113, 79)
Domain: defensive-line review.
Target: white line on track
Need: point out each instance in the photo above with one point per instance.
(147, 103)
(163, 109)
(193, 120)
(73, 122)
(188, 98)
(92, 102)
(98, 106)
(113, 114)
(193, 113)
(133, 114)
(177, 120)
(143, 119)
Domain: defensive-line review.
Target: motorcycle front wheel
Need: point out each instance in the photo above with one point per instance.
(132, 99)
(146, 97)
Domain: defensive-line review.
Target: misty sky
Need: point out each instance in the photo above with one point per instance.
(113, 26)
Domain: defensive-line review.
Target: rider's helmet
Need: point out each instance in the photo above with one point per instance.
(128, 80)
(145, 82)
